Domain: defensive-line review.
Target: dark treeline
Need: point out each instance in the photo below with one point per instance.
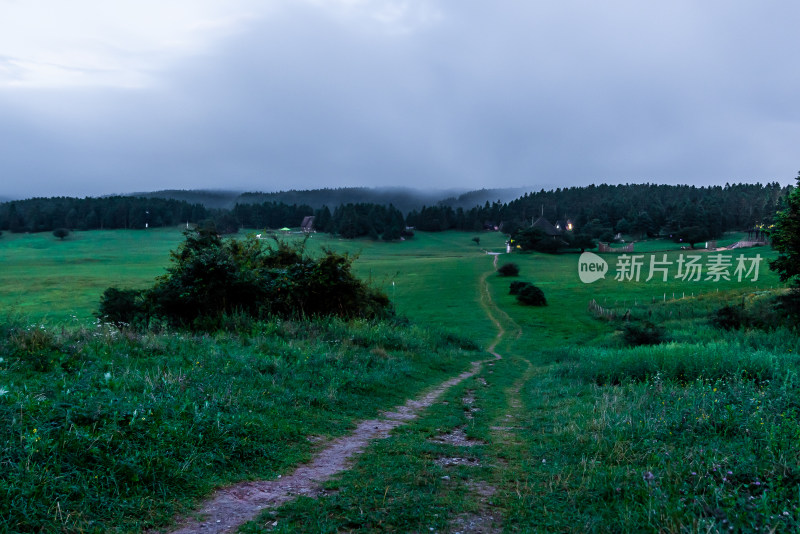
(599, 211)
(370, 220)
(271, 215)
(215, 199)
(605, 210)
(478, 197)
(348, 220)
(111, 213)
(650, 208)
(404, 199)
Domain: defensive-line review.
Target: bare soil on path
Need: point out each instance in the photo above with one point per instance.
(235, 505)
(486, 519)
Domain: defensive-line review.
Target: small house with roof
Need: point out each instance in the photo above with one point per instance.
(545, 227)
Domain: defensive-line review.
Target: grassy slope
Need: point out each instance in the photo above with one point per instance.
(104, 431)
(607, 450)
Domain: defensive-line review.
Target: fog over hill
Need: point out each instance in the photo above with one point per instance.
(481, 196)
(216, 199)
(403, 198)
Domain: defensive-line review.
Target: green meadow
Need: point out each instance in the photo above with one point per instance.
(45, 278)
(573, 430)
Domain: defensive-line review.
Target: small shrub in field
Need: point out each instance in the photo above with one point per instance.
(508, 269)
(530, 295)
(645, 333)
(61, 233)
(517, 286)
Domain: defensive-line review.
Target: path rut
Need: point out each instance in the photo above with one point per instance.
(233, 506)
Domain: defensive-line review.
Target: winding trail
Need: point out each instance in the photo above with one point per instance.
(513, 392)
(231, 507)
(506, 447)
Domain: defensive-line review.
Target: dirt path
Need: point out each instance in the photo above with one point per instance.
(231, 507)
(486, 519)
(492, 311)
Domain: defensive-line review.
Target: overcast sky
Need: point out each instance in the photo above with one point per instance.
(100, 97)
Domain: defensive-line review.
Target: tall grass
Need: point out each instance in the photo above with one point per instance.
(710, 455)
(106, 430)
(680, 362)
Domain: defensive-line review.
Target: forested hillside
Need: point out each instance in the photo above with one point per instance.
(598, 211)
(209, 199)
(402, 198)
(108, 213)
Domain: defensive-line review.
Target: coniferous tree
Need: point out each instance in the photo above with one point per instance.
(785, 237)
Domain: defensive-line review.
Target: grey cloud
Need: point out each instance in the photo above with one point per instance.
(487, 94)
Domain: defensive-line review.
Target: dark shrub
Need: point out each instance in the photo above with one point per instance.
(517, 286)
(728, 318)
(61, 233)
(212, 281)
(582, 242)
(530, 295)
(508, 269)
(789, 306)
(122, 306)
(645, 333)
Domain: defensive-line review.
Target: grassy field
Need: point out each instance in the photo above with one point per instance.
(61, 282)
(45, 278)
(572, 431)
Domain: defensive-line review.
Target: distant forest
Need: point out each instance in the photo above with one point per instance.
(403, 198)
(598, 211)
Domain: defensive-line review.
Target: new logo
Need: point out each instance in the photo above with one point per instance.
(591, 267)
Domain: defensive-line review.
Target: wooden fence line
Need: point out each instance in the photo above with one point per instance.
(624, 308)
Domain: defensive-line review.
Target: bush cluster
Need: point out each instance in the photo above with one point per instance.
(508, 269)
(643, 333)
(527, 293)
(728, 318)
(211, 278)
(61, 233)
(516, 286)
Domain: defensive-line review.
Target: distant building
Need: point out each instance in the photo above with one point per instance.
(564, 225)
(308, 224)
(548, 229)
